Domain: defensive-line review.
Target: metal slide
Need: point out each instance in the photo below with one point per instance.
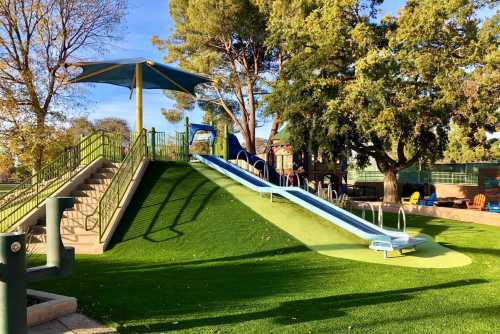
(381, 239)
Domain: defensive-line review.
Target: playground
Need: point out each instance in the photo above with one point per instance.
(284, 167)
(197, 252)
(216, 241)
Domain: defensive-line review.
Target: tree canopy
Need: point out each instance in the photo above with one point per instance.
(228, 41)
(389, 89)
(37, 40)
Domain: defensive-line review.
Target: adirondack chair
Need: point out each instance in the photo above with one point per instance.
(478, 202)
(413, 199)
(429, 201)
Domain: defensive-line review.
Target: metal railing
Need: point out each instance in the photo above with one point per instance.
(118, 186)
(35, 189)
(165, 147)
(425, 176)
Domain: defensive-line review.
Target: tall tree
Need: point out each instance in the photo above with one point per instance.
(464, 146)
(226, 40)
(390, 89)
(114, 125)
(37, 39)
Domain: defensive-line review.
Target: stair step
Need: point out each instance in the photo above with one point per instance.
(96, 194)
(84, 200)
(78, 239)
(80, 248)
(94, 186)
(98, 180)
(85, 207)
(73, 232)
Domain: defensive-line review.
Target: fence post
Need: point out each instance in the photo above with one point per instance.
(225, 142)
(153, 144)
(212, 141)
(186, 139)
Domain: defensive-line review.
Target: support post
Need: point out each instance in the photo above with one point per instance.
(13, 273)
(13, 300)
(186, 139)
(153, 144)
(212, 141)
(138, 98)
(225, 149)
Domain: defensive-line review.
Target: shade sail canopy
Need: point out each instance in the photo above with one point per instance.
(154, 75)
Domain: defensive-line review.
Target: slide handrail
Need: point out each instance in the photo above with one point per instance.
(266, 170)
(246, 155)
(288, 178)
(401, 213)
(306, 184)
(363, 215)
(332, 191)
(380, 216)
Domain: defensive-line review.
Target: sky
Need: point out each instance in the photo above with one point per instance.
(143, 20)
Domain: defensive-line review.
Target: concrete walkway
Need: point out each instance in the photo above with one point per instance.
(71, 324)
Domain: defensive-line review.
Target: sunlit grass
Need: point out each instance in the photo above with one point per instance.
(190, 257)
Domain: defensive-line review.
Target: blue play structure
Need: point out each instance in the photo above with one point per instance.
(235, 150)
(379, 238)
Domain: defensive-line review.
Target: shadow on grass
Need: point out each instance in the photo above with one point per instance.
(148, 218)
(251, 256)
(473, 250)
(305, 310)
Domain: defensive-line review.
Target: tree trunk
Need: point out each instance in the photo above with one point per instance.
(390, 186)
(249, 143)
(39, 142)
(274, 128)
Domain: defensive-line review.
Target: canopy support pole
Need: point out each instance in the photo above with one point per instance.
(138, 97)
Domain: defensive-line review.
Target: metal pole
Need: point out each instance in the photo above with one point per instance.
(186, 139)
(57, 255)
(138, 98)
(225, 149)
(13, 300)
(153, 144)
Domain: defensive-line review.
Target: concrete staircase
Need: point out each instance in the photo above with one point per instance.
(73, 231)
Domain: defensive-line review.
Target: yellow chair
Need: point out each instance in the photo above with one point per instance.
(413, 199)
(477, 203)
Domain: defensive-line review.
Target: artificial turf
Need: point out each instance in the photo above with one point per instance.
(190, 257)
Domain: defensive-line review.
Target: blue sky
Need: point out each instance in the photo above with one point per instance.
(145, 19)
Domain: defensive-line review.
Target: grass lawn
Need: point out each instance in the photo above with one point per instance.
(190, 257)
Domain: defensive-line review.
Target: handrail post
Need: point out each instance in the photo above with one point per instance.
(225, 149)
(13, 299)
(186, 139)
(153, 144)
(380, 216)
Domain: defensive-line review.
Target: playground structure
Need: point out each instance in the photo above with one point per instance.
(101, 200)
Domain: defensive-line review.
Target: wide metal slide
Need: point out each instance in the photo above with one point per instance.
(380, 238)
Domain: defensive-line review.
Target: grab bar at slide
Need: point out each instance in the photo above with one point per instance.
(332, 191)
(401, 212)
(246, 155)
(380, 216)
(292, 174)
(281, 180)
(363, 204)
(306, 184)
(266, 170)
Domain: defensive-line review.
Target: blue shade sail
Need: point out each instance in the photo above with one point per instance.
(154, 75)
